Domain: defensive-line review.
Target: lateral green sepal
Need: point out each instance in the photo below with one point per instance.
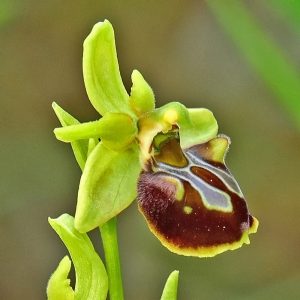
(141, 97)
(101, 73)
(91, 277)
(170, 289)
(107, 186)
(79, 147)
(58, 287)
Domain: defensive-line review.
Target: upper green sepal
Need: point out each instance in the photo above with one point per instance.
(101, 73)
(107, 186)
(91, 277)
(58, 287)
(141, 97)
(170, 289)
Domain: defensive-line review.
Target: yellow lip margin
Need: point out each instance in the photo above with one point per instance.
(204, 251)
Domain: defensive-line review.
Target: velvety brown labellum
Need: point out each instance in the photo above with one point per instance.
(191, 201)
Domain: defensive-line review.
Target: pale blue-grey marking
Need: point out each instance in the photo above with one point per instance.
(224, 176)
(212, 197)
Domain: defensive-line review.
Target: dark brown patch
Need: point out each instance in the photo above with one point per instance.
(201, 228)
(171, 154)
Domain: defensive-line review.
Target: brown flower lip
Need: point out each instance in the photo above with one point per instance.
(191, 201)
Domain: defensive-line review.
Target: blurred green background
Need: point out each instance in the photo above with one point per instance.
(238, 58)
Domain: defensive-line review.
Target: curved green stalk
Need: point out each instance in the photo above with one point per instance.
(111, 250)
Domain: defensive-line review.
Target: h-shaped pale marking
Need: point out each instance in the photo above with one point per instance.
(225, 177)
(212, 197)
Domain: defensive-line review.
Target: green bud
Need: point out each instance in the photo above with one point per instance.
(170, 289)
(59, 285)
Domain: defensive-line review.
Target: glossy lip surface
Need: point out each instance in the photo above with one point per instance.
(199, 224)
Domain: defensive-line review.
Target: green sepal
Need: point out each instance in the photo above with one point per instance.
(141, 97)
(91, 277)
(170, 289)
(79, 147)
(116, 130)
(58, 287)
(107, 186)
(101, 73)
(195, 126)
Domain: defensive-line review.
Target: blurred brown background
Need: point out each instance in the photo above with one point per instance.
(186, 55)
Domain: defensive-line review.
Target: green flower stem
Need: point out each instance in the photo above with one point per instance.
(110, 244)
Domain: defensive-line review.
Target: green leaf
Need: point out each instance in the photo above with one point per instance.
(261, 52)
(196, 126)
(101, 73)
(116, 131)
(107, 186)
(80, 147)
(59, 285)
(290, 10)
(170, 289)
(91, 277)
(141, 96)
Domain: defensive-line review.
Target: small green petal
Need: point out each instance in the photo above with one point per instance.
(59, 285)
(101, 73)
(80, 147)
(141, 96)
(198, 128)
(91, 277)
(107, 186)
(170, 289)
(116, 131)
(82, 131)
